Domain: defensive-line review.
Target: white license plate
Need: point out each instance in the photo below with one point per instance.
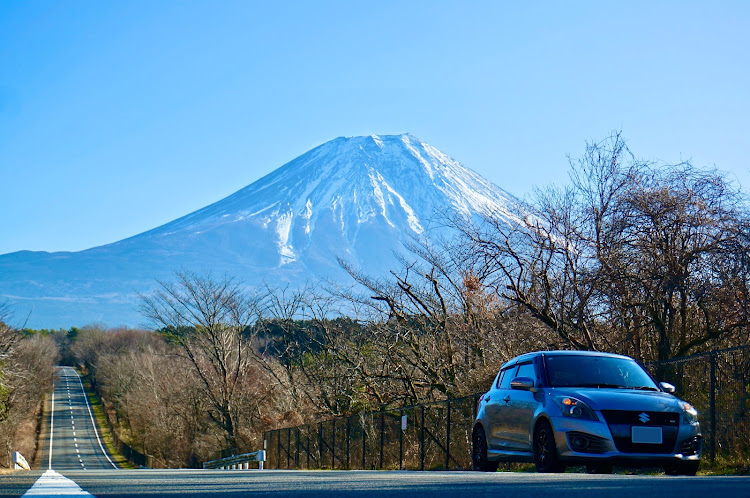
(647, 435)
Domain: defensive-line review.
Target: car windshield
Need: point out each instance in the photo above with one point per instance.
(597, 371)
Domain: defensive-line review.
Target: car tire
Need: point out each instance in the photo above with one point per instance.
(682, 469)
(545, 451)
(479, 459)
(600, 468)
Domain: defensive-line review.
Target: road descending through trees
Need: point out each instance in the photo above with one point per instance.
(72, 440)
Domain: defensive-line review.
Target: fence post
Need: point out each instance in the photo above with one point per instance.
(288, 448)
(382, 438)
(333, 444)
(265, 435)
(320, 445)
(278, 448)
(421, 438)
(296, 452)
(348, 437)
(400, 440)
(712, 408)
(448, 436)
(364, 443)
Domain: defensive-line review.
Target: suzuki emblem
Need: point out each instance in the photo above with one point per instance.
(643, 417)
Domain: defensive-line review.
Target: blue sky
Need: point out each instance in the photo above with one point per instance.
(117, 117)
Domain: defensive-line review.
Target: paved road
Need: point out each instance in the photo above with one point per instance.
(275, 483)
(73, 443)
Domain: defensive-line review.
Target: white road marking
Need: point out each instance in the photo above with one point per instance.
(51, 428)
(52, 477)
(93, 423)
(53, 484)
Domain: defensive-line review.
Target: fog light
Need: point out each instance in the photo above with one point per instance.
(579, 443)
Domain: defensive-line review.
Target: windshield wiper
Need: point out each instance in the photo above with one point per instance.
(617, 386)
(612, 386)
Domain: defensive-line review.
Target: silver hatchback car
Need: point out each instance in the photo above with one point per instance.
(559, 408)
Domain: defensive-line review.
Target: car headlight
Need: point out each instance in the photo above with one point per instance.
(689, 414)
(575, 408)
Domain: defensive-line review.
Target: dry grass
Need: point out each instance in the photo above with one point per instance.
(102, 427)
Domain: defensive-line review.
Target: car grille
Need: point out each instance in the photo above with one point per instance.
(620, 423)
(586, 443)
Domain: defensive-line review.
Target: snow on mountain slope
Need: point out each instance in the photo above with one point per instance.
(357, 198)
(334, 197)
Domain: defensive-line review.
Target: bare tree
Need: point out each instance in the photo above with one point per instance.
(630, 257)
(26, 371)
(435, 330)
(206, 318)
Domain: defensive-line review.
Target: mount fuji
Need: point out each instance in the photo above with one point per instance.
(356, 198)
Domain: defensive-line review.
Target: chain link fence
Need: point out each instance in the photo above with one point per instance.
(437, 436)
(717, 384)
(422, 437)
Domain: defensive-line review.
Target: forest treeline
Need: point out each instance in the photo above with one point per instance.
(631, 257)
(27, 367)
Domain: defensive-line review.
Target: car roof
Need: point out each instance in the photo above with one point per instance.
(529, 356)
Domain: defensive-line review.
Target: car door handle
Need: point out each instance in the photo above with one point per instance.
(506, 399)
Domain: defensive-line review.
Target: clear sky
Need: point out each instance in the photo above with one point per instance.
(117, 117)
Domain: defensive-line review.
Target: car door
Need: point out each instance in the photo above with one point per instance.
(495, 409)
(519, 411)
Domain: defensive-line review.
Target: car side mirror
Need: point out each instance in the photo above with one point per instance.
(667, 387)
(522, 384)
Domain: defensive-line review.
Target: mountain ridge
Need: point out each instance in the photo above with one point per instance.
(359, 198)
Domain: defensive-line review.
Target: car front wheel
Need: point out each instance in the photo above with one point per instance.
(545, 451)
(479, 458)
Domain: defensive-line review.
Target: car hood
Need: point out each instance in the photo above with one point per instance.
(621, 399)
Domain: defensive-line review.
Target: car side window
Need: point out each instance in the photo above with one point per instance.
(499, 378)
(526, 370)
(506, 377)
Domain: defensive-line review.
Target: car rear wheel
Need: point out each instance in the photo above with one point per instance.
(545, 451)
(682, 469)
(479, 458)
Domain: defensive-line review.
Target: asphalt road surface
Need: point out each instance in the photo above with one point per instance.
(74, 463)
(277, 483)
(73, 442)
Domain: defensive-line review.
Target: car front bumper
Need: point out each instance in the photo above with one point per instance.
(589, 441)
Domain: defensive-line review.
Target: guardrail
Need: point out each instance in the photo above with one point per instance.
(237, 462)
(19, 462)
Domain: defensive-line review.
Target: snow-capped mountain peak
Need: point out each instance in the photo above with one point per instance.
(357, 198)
(395, 181)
